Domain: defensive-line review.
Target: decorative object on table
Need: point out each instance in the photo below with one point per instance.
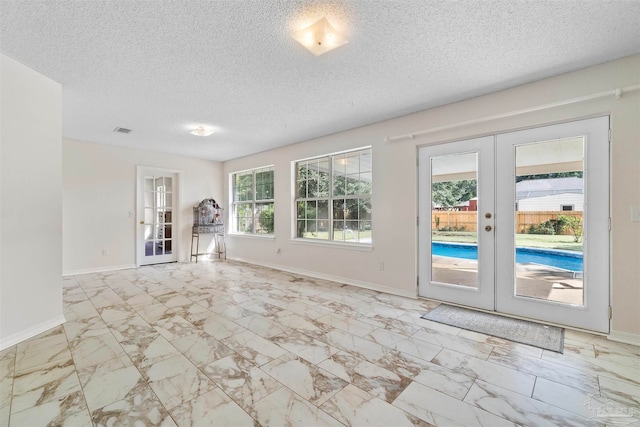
(207, 219)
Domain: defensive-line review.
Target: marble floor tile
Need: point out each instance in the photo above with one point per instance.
(174, 327)
(621, 391)
(385, 337)
(442, 410)
(39, 351)
(546, 369)
(522, 410)
(213, 408)
(263, 326)
(63, 410)
(78, 330)
(354, 407)
(306, 379)
(353, 326)
(148, 350)
(372, 378)
(227, 343)
(457, 343)
(453, 383)
(418, 348)
(253, 347)
(176, 380)
(241, 380)
(140, 407)
(7, 365)
(309, 348)
(564, 397)
(43, 383)
(610, 365)
(304, 325)
(131, 328)
(108, 382)
(4, 415)
(505, 345)
(285, 408)
(356, 345)
(218, 326)
(95, 350)
(201, 348)
(508, 378)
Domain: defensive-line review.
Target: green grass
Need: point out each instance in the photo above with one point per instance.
(530, 240)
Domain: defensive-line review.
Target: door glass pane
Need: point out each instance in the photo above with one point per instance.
(148, 216)
(167, 247)
(148, 183)
(168, 184)
(454, 219)
(549, 207)
(149, 198)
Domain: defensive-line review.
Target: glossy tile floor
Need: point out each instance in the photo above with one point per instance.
(228, 344)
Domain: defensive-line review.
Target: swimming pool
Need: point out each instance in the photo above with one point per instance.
(566, 260)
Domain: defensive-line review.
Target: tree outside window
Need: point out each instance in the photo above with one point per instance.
(253, 201)
(333, 197)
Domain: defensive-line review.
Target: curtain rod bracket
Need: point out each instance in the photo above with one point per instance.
(618, 93)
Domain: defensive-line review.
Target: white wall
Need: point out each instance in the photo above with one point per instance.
(31, 203)
(552, 203)
(99, 191)
(395, 183)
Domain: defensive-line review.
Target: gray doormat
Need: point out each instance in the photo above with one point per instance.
(522, 331)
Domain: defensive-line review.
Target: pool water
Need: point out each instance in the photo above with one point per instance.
(566, 260)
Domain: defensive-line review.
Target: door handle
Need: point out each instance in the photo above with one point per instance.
(141, 222)
(488, 228)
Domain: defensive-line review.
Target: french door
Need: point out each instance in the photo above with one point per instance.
(518, 223)
(157, 227)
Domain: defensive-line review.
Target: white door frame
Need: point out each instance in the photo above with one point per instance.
(141, 170)
(594, 314)
(481, 296)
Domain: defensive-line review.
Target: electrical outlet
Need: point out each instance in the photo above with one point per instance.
(105, 252)
(635, 213)
(381, 265)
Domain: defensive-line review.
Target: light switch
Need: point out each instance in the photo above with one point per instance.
(635, 213)
(130, 214)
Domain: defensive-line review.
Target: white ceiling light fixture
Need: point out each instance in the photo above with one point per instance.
(320, 37)
(201, 131)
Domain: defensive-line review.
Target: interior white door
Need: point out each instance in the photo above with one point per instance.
(539, 220)
(157, 225)
(448, 174)
(576, 291)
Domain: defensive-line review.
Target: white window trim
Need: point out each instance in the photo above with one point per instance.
(232, 217)
(319, 242)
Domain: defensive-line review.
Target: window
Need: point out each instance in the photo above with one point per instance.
(333, 197)
(253, 202)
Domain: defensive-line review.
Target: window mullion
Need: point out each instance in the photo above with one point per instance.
(253, 203)
(330, 201)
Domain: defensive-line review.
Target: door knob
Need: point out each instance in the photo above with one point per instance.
(141, 222)
(487, 215)
(488, 228)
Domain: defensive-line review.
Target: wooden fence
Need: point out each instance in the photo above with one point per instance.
(455, 220)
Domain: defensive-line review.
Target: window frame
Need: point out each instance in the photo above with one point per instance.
(252, 202)
(331, 198)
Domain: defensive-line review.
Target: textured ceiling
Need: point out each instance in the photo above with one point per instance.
(161, 68)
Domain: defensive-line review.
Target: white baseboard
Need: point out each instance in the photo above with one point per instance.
(98, 269)
(624, 337)
(332, 278)
(31, 332)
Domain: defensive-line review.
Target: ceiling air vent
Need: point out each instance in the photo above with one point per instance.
(122, 130)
